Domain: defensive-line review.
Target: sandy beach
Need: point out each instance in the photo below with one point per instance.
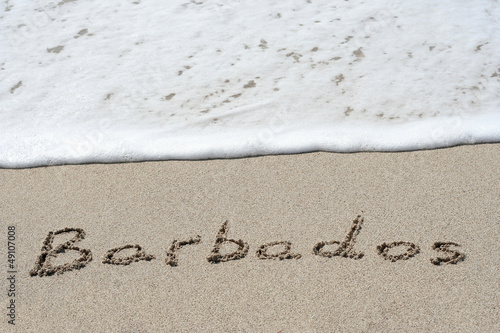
(422, 256)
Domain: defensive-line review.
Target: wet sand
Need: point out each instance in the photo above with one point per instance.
(293, 256)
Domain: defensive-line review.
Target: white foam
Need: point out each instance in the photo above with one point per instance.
(93, 81)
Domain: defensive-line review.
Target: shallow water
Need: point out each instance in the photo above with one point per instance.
(86, 81)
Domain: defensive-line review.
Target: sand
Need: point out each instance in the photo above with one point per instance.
(147, 246)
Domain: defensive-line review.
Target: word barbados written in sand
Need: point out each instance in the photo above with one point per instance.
(345, 249)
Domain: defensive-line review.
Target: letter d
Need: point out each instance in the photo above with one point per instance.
(346, 248)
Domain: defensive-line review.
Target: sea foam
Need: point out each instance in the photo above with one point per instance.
(94, 81)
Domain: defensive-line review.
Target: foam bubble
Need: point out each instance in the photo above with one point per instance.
(87, 81)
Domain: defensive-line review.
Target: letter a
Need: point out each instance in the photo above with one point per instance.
(109, 257)
(216, 257)
(43, 265)
(285, 254)
(345, 248)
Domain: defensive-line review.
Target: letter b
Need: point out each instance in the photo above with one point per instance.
(43, 265)
(216, 256)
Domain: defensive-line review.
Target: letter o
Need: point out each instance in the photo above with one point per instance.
(411, 251)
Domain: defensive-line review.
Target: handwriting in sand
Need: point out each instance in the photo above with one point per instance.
(447, 254)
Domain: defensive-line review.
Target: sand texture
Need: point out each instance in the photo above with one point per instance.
(320, 242)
